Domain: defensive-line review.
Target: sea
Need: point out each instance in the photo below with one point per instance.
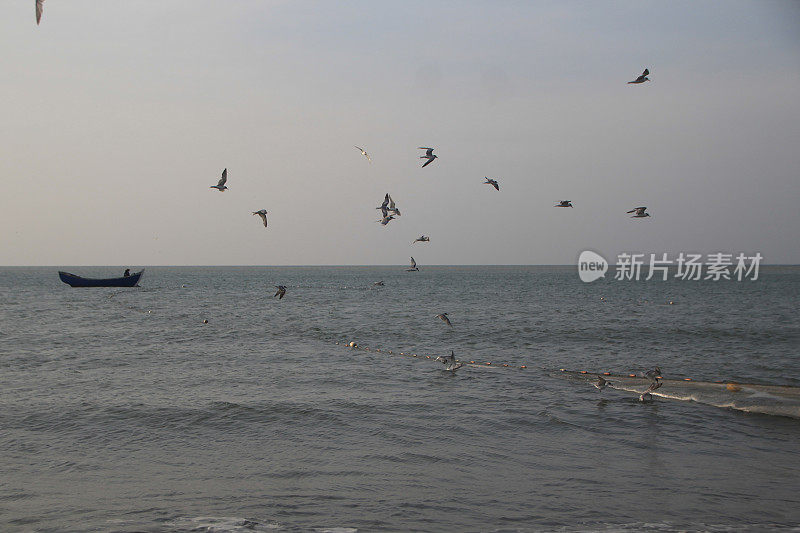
(200, 402)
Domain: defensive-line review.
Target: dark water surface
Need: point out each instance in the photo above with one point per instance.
(120, 410)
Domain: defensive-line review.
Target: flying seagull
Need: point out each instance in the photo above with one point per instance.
(39, 10)
(428, 155)
(601, 383)
(640, 212)
(564, 203)
(384, 207)
(281, 291)
(643, 78)
(364, 153)
(422, 238)
(392, 207)
(263, 214)
(443, 318)
(413, 266)
(221, 185)
(449, 361)
(491, 182)
(386, 220)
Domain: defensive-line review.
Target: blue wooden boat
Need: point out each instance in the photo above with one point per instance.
(76, 281)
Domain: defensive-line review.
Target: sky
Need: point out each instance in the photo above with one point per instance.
(118, 115)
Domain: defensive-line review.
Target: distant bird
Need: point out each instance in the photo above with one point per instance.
(386, 220)
(428, 155)
(413, 266)
(643, 78)
(378, 283)
(443, 318)
(601, 383)
(263, 214)
(422, 238)
(221, 185)
(364, 153)
(281, 291)
(564, 203)
(39, 10)
(449, 361)
(640, 212)
(491, 182)
(384, 207)
(392, 207)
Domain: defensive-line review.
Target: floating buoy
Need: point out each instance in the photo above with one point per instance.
(687, 379)
(584, 372)
(488, 363)
(413, 355)
(733, 387)
(606, 373)
(472, 362)
(505, 364)
(631, 375)
(670, 302)
(523, 366)
(205, 321)
(563, 369)
(427, 357)
(353, 344)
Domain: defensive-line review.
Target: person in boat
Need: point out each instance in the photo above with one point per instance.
(127, 272)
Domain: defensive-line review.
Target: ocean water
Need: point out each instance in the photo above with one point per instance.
(120, 410)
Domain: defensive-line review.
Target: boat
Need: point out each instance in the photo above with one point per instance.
(77, 281)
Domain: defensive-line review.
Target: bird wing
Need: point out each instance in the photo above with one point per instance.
(223, 179)
(264, 218)
(428, 162)
(645, 73)
(495, 185)
(385, 201)
(391, 202)
(39, 10)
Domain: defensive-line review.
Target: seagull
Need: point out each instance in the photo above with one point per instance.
(491, 182)
(640, 212)
(564, 203)
(413, 266)
(364, 153)
(392, 206)
(601, 383)
(281, 291)
(263, 214)
(643, 78)
(384, 207)
(443, 317)
(428, 155)
(39, 10)
(449, 362)
(221, 185)
(422, 238)
(386, 220)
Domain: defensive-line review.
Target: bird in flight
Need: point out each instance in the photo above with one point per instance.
(643, 78)
(221, 185)
(263, 214)
(640, 212)
(39, 10)
(564, 203)
(384, 207)
(491, 182)
(392, 207)
(364, 153)
(443, 318)
(281, 291)
(422, 238)
(428, 155)
(413, 266)
(449, 361)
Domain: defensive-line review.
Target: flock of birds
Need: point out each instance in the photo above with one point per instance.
(389, 211)
(654, 375)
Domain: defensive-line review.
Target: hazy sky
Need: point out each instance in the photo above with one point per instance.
(117, 116)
